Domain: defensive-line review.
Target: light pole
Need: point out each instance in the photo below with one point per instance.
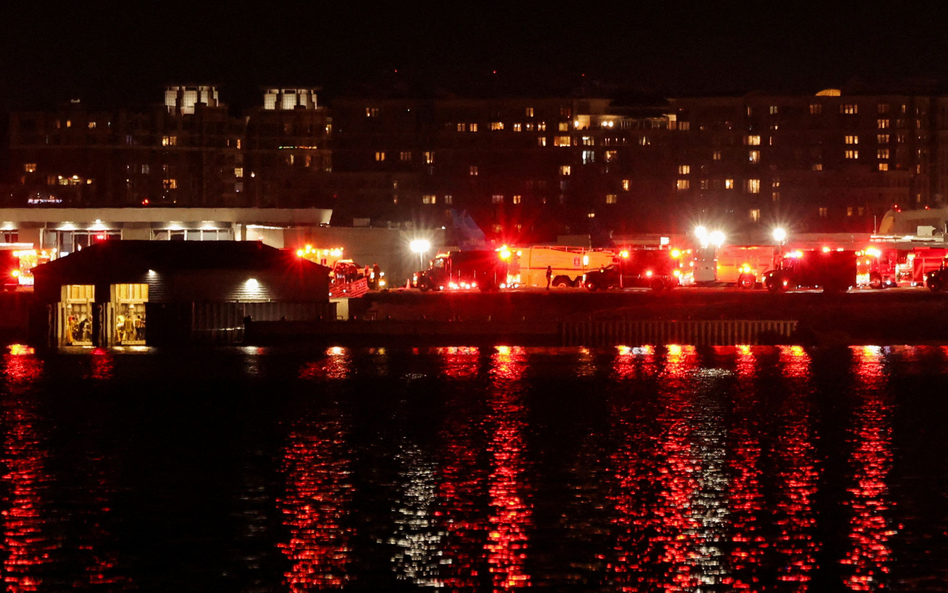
(421, 247)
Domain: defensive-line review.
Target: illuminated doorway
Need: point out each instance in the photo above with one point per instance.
(77, 308)
(128, 314)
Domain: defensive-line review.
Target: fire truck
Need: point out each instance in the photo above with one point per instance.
(9, 270)
(568, 264)
(937, 280)
(831, 270)
(463, 270)
(658, 269)
(736, 265)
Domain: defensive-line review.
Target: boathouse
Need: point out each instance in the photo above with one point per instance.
(126, 293)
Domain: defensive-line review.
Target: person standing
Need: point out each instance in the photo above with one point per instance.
(549, 276)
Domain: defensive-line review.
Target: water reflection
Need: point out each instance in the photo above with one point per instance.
(417, 540)
(870, 459)
(316, 504)
(510, 510)
(797, 475)
(336, 365)
(26, 541)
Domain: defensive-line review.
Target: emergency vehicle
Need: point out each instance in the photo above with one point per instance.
(937, 280)
(529, 264)
(658, 269)
(828, 269)
(464, 270)
(736, 265)
(9, 270)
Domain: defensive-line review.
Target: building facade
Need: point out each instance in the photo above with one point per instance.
(526, 169)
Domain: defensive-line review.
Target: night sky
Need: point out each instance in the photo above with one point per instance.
(122, 54)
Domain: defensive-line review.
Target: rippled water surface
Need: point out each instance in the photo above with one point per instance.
(483, 469)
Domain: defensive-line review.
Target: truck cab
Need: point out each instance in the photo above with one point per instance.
(657, 269)
(463, 270)
(937, 280)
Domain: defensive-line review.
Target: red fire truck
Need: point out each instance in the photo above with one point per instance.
(831, 270)
(461, 270)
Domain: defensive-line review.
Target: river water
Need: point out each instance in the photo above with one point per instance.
(475, 469)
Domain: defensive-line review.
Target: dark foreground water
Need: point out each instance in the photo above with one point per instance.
(630, 469)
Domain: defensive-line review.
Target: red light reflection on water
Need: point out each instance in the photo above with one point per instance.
(871, 460)
(25, 480)
(101, 365)
(797, 476)
(337, 365)
(459, 362)
(631, 362)
(315, 506)
(745, 500)
(510, 511)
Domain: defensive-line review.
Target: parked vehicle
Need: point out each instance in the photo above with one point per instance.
(9, 270)
(937, 280)
(734, 265)
(832, 271)
(657, 269)
(463, 270)
(567, 264)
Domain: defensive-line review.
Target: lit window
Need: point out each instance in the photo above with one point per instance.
(716, 155)
(818, 167)
(404, 156)
(625, 185)
(816, 108)
(883, 166)
(529, 111)
(752, 186)
(852, 139)
(497, 126)
(379, 156)
(541, 126)
(882, 138)
(849, 211)
(882, 124)
(755, 215)
(371, 112)
(644, 141)
(541, 140)
(395, 199)
(561, 141)
(169, 140)
(473, 170)
(529, 127)
(683, 184)
(753, 156)
(564, 126)
(170, 184)
(473, 127)
(429, 199)
(448, 199)
(773, 110)
(883, 108)
(610, 156)
(684, 126)
(238, 171)
(517, 199)
(705, 183)
(611, 198)
(776, 196)
(882, 153)
(68, 123)
(728, 184)
(91, 125)
(824, 212)
(517, 127)
(684, 169)
(849, 108)
(497, 198)
(753, 140)
(30, 167)
(588, 141)
(238, 144)
(589, 156)
(429, 158)
(564, 170)
(852, 154)
(462, 127)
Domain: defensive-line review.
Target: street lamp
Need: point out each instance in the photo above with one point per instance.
(780, 235)
(716, 238)
(421, 247)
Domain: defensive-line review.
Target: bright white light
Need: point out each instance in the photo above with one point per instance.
(701, 233)
(419, 246)
(717, 238)
(252, 284)
(780, 235)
